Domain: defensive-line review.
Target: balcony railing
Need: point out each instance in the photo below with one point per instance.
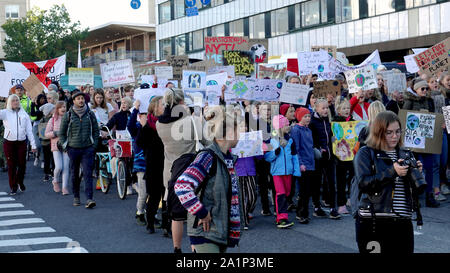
(135, 56)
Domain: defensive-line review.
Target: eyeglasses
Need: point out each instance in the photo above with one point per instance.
(424, 88)
(390, 133)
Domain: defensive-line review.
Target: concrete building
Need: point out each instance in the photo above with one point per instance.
(11, 9)
(356, 27)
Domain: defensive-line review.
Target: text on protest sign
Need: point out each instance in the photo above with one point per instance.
(294, 93)
(254, 89)
(330, 49)
(117, 73)
(364, 78)
(81, 76)
(242, 61)
(202, 65)
(315, 63)
(249, 145)
(323, 88)
(46, 71)
(214, 46)
(434, 59)
(33, 86)
(214, 84)
(178, 63)
(164, 72)
(446, 112)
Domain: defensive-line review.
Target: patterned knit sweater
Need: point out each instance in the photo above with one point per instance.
(190, 180)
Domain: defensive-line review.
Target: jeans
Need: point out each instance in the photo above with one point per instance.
(427, 161)
(61, 173)
(142, 193)
(85, 158)
(308, 187)
(326, 169)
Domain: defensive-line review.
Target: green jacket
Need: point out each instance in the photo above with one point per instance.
(216, 200)
(26, 105)
(79, 132)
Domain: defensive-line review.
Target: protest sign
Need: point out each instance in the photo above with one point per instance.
(202, 65)
(315, 63)
(294, 93)
(214, 47)
(221, 69)
(178, 63)
(260, 49)
(194, 98)
(435, 59)
(254, 89)
(117, 73)
(5, 81)
(214, 84)
(422, 131)
(323, 88)
(194, 80)
(345, 136)
(144, 96)
(292, 66)
(395, 82)
(364, 78)
(330, 49)
(373, 60)
(162, 83)
(249, 145)
(164, 72)
(242, 61)
(33, 86)
(271, 72)
(410, 63)
(46, 71)
(446, 112)
(81, 76)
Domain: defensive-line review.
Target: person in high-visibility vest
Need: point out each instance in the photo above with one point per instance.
(25, 101)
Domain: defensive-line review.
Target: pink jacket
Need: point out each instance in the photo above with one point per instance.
(53, 126)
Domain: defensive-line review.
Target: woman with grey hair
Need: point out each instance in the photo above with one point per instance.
(17, 129)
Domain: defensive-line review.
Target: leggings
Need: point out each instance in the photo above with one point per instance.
(61, 168)
(248, 186)
(142, 193)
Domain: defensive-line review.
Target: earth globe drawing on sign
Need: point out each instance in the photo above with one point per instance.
(412, 122)
(360, 80)
(338, 131)
(279, 85)
(417, 141)
(321, 68)
(240, 89)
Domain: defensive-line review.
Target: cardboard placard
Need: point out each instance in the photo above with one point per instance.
(33, 86)
(294, 93)
(194, 80)
(178, 63)
(214, 47)
(330, 49)
(422, 131)
(117, 73)
(242, 61)
(364, 78)
(164, 72)
(194, 98)
(345, 136)
(81, 76)
(435, 59)
(323, 88)
(202, 65)
(260, 49)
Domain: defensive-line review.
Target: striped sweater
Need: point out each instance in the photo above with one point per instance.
(190, 180)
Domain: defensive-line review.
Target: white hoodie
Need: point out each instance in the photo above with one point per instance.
(17, 126)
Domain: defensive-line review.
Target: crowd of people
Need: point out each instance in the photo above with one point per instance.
(213, 190)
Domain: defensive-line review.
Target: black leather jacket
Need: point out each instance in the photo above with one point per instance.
(376, 179)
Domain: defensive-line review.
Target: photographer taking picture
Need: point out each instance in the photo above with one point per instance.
(389, 180)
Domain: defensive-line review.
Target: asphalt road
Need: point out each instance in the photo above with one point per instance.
(111, 227)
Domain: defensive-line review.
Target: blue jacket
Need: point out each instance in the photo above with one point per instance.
(133, 127)
(285, 163)
(304, 144)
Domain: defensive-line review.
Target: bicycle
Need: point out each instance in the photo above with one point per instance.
(120, 151)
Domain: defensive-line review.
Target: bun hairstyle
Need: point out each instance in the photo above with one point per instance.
(219, 120)
(173, 96)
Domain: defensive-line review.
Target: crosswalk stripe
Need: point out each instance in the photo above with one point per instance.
(16, 213)
(5, 199)
(20, 222)
(9, 206)
(34, 241)
(58, 250)
(3, 193)
(26, 231)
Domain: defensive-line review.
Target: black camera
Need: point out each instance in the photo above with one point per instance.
(417, 179)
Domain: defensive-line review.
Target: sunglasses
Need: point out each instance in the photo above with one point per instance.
(425, 88)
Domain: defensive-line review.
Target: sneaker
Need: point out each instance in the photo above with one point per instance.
(318, 212)
(284, 224)
(90, 204)
(13, 192)
(135, 187)
(42, 165)
(56, 186)
(291, 207)
(65, 191)
(431, 202)
(150, 228)
(343, 210)
(140, 219)
(439, 196)
(76, 202)
(266, 213)
(246, 227)
(325, 204)
(36, 162)
(22, 188)
(445, 190)
(46, 178)
(334, 214)
(302, 220)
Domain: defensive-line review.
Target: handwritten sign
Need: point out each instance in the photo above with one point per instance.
(164, 72)
(81, 76)
(162, 83)
(395, 82)
(435, 59)
(194, 98)
(33, 86)
(242, 61)
(178, 63)
(364, 78)
(446, 112)
(117, 73)
(271, 72)
(345, 136)
(202, 65)
(323, 88)
(144, 96)
(214, 46)
(254, 89)
(260, 49)
(249, 145)
(214, 84)
(315, 63)
(294, 93)
(330, 49)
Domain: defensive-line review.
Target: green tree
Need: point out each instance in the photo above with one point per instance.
(42, 35)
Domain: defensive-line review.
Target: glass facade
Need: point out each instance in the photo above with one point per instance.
(279, 22)
(347, 10)
(164, 12)
(179, 8)
(379, 7)
(196, 40)
(257, 27)
(237, 28)
(165, 48)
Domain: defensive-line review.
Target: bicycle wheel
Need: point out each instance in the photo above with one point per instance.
(104, 181)
(121, 179)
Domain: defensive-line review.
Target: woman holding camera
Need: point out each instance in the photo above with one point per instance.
(387, 180)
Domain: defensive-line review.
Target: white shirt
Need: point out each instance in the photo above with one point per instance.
(102, 114)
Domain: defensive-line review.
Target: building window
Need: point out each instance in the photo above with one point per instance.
(218, 31)
(165, 48)
(180, 45)
(298, 17)
(237, 28)
(379, 7)
(417, 3)
(179, 8)
(314, 12)
(12, 11)
(257, 27)
(196, 40)
(279, 22)
(215, 3)
(347, 10)
(164, 12)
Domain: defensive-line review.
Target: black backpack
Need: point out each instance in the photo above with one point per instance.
(180, 165)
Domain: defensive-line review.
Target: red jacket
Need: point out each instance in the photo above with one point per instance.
(356, 109)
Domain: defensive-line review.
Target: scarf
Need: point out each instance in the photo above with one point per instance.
(79, 111)
(152, 121)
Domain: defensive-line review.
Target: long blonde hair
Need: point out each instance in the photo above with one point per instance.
(375, 108)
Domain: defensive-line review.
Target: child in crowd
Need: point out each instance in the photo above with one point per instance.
(304, 144)
(283, 165)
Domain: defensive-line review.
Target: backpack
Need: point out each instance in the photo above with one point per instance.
(355, 194)
(180, 165)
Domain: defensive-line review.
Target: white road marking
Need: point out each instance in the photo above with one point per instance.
(26, 231)
(3, 193)
(34, 241)
(9, 206)
(58, 250)
(16, 213)
(6, 199)
(20, 222)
